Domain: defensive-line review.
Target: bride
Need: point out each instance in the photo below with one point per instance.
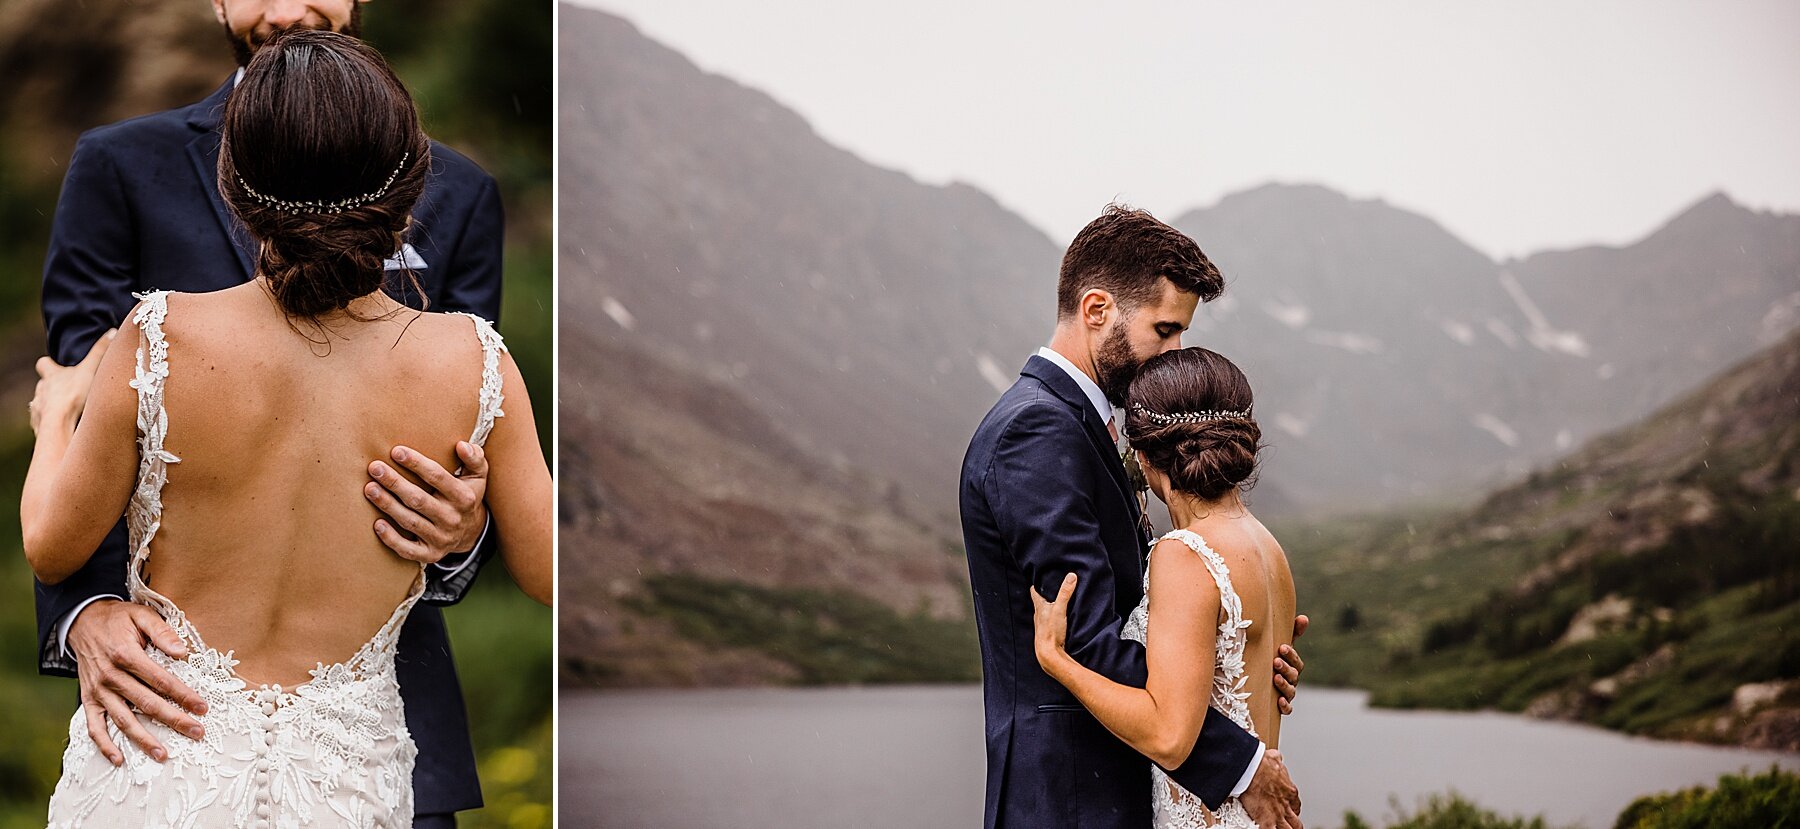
(1217, 593)
(253, 412)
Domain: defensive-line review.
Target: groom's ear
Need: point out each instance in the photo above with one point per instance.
(1094, 307)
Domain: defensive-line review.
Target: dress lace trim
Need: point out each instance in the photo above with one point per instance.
(491, 396)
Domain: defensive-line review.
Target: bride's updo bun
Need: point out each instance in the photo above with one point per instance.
(322, 157)
(1190, 418)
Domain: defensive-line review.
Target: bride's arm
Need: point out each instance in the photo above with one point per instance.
(1163, 719)
(520, 494)
(80, 476)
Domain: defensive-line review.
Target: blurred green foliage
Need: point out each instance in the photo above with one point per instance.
(829, 636)
(1770, 800)
(481, 71)
(1448, 811)
(1452, 634)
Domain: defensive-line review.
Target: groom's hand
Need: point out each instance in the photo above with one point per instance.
(444, 517)
(1272, 800)
(1288, 666)
(108, 640)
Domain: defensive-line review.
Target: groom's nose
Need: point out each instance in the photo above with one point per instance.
(285, 13)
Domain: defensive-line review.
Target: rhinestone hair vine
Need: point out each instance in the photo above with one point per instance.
(317, 206)
(1207, 416)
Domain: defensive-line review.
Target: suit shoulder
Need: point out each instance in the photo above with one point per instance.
(1028, 411)
(1028, 405)
(156, 128)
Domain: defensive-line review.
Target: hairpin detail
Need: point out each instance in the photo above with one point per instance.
(1207, 416)
(316, 206)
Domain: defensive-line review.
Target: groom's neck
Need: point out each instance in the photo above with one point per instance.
(1072, 344)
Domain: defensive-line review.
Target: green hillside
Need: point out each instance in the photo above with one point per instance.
(1649, 583)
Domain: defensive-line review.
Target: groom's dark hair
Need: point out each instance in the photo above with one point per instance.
(1124, 252)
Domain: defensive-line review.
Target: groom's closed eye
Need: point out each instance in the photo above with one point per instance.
(1166, 330)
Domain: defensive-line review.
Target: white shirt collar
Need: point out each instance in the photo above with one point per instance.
(238, 77)
(1088, 387)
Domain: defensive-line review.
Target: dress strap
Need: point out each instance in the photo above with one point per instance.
(491, 396)
(1229, 602)
(1229, 676)
(144, 513)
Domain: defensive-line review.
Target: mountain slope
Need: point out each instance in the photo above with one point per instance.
(1395, 362)
(1648, 582)
(869, 314)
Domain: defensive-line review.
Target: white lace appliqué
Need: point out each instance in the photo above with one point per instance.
(333, 752)
(1175, 807)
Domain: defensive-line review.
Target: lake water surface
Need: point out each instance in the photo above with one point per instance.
(912, 757)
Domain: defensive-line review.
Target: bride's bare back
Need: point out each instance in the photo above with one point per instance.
(1263, 582)
(267, 540)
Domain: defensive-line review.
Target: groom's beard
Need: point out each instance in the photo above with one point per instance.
(244, 48)
(1115, 366)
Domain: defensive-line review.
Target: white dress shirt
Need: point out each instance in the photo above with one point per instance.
(1107, 413)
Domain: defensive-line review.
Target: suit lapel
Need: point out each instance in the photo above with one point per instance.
(1060, 384)
(203, 151)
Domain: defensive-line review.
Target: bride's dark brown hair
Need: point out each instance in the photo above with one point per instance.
(322, 157)
(1202, 457)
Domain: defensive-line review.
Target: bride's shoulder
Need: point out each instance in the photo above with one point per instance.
(450, 329)
(1184, 553)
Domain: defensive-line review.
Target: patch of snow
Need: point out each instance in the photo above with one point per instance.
(1291, 424)
(991, 371)
(1461, 332)
(1780, 318)
(616, 310)
(1498, 428)
(1292, 315)
(1541, 334)
(1347, 340)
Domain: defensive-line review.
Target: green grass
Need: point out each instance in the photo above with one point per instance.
(1448, 811)
(1769, 801)
(827, 636)
(1438, 624)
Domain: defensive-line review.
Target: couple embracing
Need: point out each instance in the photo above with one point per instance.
(258, 642)
(1128, 683)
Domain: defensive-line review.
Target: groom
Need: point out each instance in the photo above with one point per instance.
(1044, 493)
(140, 209)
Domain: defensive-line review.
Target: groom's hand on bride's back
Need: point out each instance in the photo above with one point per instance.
(1272, 799)
(1288, 666)
(108, 640)
(444, 517)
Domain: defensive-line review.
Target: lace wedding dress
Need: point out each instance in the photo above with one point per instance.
(1175, 807)
(332, 752)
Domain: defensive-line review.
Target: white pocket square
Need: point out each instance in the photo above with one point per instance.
(405, 258)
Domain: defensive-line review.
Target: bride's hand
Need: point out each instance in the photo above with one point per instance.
(62, 391)
(1051, 621)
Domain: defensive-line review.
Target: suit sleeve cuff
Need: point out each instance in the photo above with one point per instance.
(455, 563)
(68, 621)
(1256, 759)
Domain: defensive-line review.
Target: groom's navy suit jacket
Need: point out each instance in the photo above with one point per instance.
(1044, 494)
(140, 209)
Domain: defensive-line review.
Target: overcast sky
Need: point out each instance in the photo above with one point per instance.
(1519, 125)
